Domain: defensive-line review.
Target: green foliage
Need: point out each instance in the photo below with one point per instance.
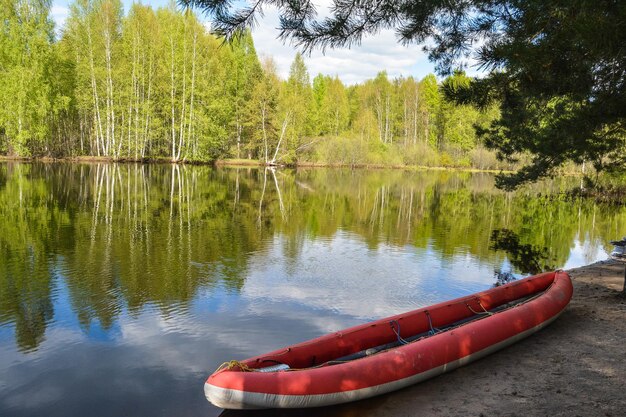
(526, 258)
(399, 122)
(26, 32)
(559, 82)
(554, 68)
(262, 118)
(332, 108)
(154, 84)
(296, 101)
(139, 236)
(245, 74)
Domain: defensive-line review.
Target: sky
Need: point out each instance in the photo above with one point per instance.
(354, 65)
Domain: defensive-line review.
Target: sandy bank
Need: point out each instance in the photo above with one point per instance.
(575, 367)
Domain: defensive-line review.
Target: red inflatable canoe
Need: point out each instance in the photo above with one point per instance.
(391, 353)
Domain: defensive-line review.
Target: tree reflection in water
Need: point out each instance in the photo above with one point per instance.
(526, 258)
(119, 237)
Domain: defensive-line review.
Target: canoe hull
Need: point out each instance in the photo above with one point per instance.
(393, 369)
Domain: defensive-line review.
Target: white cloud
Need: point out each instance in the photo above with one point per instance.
(393, 280)
(361, 62)
(59, 14)
(353, 65)
(585, 252)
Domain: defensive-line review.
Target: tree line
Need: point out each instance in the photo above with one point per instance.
(156, 84)
(554, 69)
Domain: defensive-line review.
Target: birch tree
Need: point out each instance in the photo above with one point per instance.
(262, 113)
(93, 30)
(25, 52)
(296, 100)
(140, 37)
(245, 74)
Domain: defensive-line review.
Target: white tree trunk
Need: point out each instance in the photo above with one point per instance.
(282, 135)
(172, 96)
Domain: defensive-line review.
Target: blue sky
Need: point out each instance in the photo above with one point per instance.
(376, 53)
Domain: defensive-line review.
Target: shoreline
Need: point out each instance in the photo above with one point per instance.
(253, 163)
(613, 195)
(574, 367)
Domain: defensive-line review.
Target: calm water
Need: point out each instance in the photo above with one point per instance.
(122, 287)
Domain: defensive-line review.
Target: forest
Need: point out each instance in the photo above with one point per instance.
(150, 84)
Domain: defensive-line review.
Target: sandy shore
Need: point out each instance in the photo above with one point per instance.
(574, 367)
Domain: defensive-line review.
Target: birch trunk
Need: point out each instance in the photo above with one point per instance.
(183, 99)
(110, 128)
(263, 117)
(280, 140)
(193, 83)
(172, 93)
(147, 105)
(94, 89)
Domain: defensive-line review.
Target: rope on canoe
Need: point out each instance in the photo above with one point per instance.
(489, 313)
(227, 366)
(485, 311)
(432, 330)
(397, 332)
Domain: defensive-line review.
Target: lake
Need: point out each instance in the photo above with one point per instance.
(123, 286)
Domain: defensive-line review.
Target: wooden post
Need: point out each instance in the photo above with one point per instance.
(624, 289)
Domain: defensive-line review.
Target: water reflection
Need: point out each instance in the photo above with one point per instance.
(526, 258)
(121, 286)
